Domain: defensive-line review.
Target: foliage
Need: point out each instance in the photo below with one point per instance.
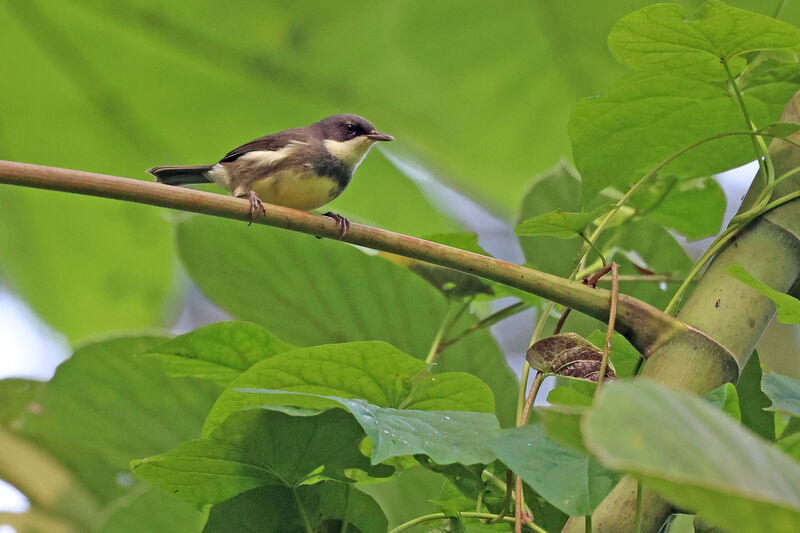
(353, 391)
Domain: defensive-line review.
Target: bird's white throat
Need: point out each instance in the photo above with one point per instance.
(350, 152)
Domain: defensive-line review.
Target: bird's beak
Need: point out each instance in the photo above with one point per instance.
(378, 136)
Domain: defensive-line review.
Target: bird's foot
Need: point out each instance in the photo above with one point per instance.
(256, 205)
(343, 223)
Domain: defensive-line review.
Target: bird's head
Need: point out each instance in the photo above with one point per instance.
(349, 137)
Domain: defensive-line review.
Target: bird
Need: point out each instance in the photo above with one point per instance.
(302, 168)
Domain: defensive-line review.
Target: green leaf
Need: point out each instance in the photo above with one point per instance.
(781, 129)
(105, 265)
(255, 448)
(784, 392)
(468, 481)
(694, 207)
(642, 120)
(218, 352)
(465, 241)
(725, 398)
(444, 436)
(659, 38)
(15, 395)
(151, 510)
(624, 356)
(565, 395)
(568, 479)
(661, 253)
(405, 494)
(105, 406)
(316, 291)
(753, 401)
(373, 371)
(790, 445)
(559, 187)
(275, 509)
(560, 223)
(562, 424)
(788, 306)
(640, 427)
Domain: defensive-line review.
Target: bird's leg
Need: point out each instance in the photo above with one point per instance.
(256, 205)
(343, 223)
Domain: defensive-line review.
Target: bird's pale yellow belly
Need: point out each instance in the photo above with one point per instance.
(297, 190)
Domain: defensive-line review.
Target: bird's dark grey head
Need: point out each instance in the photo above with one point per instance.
(347, 126)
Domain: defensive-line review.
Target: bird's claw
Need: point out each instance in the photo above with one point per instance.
(256, 205)
(343, 223)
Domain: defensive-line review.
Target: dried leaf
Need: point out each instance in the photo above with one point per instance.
(568, 354)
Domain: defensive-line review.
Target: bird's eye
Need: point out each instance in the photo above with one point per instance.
(350, 128)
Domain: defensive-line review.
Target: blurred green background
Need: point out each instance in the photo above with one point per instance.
(477, 93)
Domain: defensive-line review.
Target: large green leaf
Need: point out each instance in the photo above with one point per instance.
(15, 395)
(373, 371)
(104, 407)
(726, 398)
(788, 306)
(151, 510)
(661, 38)
(315, 291)
(559, 187)
(642, 120)
(695, 456)
(784, 392)
(649, 242)
(752, 400)
(444, 436)
(218, 352)
(256, 448)
(104, 266)
(326, 506)
(694, 207)
(572, 481)
(405, 495)
(559, 223)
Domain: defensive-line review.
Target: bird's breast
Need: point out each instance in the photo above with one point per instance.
(304, 189)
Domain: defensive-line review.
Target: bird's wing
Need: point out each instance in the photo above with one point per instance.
(270, 143)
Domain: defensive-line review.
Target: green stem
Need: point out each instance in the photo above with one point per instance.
(587, 524)
(660, 200)
(439, 516)
(302, 511)
(434, 352)
(612, 317)
(637, 523)
(765, 167)
(726, 236)
(593, 247)
(345, 521)
(526, 368)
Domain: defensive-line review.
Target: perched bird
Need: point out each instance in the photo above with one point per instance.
(303, 168)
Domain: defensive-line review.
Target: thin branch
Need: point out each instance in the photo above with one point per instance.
(487, 322)
(611, 318)
(645, 326)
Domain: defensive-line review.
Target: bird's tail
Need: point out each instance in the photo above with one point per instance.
(181, 175)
